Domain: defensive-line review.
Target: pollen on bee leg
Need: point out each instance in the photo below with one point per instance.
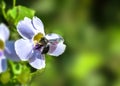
(37, 38)
(2, 45)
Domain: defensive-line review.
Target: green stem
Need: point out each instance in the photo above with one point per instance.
(3, 10)
(14, 3)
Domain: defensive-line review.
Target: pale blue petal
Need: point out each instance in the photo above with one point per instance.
(37, 60)
(4, 32)
(56, 50)
(3, 64)
(23, 49)
(25, 28)
(38, 25)
(10, 51)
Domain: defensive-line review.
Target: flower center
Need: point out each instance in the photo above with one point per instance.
(2, 45)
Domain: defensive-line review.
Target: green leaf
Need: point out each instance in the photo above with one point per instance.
(18, 13)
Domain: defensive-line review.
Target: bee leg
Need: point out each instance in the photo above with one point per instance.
(46, 49)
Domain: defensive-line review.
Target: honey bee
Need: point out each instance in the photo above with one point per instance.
(44, 43)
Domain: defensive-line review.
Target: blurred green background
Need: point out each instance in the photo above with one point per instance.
(91, 30)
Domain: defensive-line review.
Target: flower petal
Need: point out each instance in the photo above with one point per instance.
(56, 50)
(10, 51)
(3, 64)
(38, 25)
(4, 32)
(23, 49)
(54, 38)
(37, 60)
(25, 28)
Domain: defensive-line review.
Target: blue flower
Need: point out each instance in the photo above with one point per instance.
(6, 48)
(35, 43)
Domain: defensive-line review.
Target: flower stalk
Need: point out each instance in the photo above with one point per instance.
(3, 10)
